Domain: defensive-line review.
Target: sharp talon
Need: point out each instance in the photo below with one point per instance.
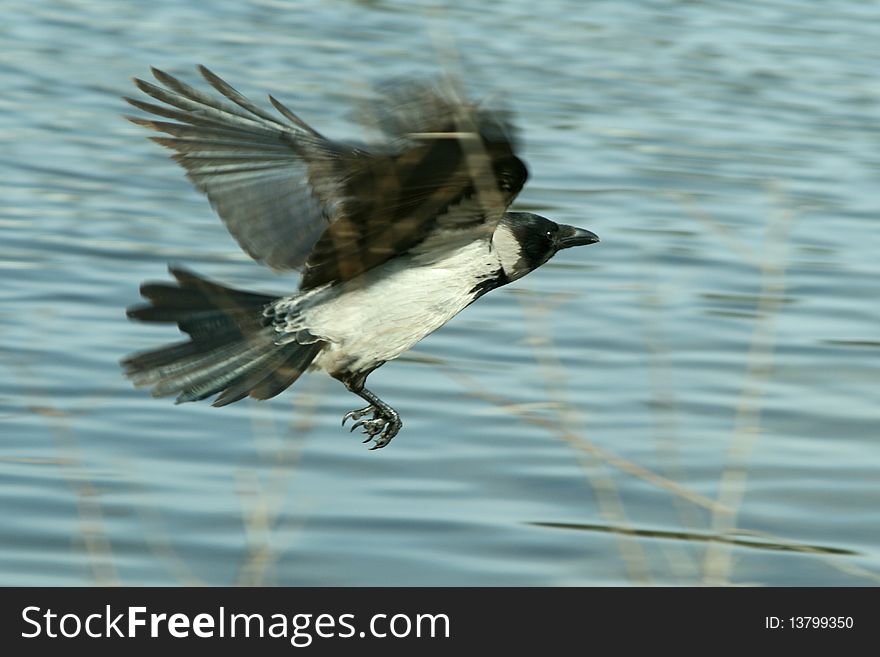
(382, 425)
(357, 414)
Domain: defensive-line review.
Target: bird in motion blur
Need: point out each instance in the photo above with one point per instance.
(392, 241)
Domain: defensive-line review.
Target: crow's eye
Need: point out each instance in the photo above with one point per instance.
(549, 234)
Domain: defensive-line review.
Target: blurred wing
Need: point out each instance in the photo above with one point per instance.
(449, 174)
(277, 184)
(292, 198)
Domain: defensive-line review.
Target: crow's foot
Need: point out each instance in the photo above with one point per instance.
(381, 428)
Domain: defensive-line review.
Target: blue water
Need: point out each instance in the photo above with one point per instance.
(694, 400)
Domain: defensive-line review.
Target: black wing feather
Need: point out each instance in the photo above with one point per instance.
(275, 184)
(452, 166)
(294, 199)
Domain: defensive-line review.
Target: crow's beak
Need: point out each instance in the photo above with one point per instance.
(571, 236)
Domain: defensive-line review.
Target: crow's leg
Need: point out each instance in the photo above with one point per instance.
(385, 423)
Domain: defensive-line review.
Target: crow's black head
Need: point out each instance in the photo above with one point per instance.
(525, 241)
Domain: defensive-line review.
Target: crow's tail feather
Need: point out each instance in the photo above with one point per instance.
(231, 349)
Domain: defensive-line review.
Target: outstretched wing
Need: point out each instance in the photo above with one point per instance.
(275, 182)
(449, 172)
(293, 198)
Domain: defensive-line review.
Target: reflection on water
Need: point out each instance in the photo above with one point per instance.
(706, 376)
